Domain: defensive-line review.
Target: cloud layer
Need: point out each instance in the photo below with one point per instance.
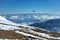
(42, 17)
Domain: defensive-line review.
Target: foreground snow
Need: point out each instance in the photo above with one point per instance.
(9, 25)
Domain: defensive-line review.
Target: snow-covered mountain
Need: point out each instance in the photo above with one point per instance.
(51, 25)
(30, 17)
(9, 29)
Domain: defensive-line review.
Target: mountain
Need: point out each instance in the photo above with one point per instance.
(21, 18)
(51, 25)
(11, 30)
(30, 17)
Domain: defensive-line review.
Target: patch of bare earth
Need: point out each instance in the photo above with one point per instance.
(11, 35)
(54, 34)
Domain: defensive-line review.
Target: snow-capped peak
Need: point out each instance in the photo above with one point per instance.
(5, 21)
(7, 25)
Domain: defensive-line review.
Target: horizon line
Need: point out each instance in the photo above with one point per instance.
(27, 12)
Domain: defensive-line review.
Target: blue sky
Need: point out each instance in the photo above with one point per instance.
(16, 6)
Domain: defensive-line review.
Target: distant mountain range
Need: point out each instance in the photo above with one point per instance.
(30, 18)
(51, 25)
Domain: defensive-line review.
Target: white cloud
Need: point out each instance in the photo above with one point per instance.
(14, 17)
(53, 17)
(50, 17)
(45, 17)
(17, 17)
(41, 17)
(36, 17)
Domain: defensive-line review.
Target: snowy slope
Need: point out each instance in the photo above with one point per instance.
(24, 29)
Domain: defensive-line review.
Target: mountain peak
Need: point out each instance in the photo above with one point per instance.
(3, 18)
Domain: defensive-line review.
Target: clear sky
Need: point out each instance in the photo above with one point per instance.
(16, 6)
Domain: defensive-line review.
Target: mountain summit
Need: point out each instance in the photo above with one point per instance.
(4, 20)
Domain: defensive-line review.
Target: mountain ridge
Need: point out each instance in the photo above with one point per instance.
(51, 25)
(25, 31)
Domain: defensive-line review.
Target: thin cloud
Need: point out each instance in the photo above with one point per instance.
(45, 17)
(14, 17)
